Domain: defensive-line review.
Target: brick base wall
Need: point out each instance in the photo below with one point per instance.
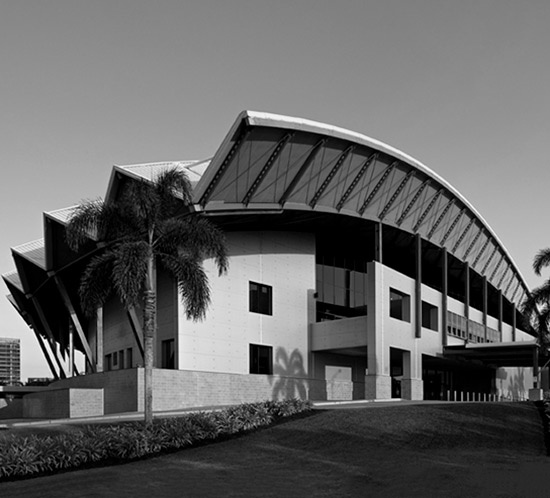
(63, 403)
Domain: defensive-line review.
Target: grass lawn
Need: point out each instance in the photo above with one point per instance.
(441, 450)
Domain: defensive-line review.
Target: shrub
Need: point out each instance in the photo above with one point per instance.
(89, 445)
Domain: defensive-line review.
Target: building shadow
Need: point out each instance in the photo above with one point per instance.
(289, 375)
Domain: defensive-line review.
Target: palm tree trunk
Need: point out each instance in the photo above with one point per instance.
(149, 319)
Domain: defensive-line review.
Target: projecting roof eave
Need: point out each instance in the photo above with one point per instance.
(503, 354)
(264, 119)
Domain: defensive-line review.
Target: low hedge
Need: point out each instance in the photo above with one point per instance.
(92, 445)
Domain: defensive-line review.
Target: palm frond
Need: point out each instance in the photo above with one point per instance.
(541, 260)
(192, 283)
(173, 188)
(84, 223)
(96, 283)
(130, 271)
(196, 237)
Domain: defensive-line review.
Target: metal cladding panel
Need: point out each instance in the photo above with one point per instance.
(386, 188)
(367, 184)
(442, 221)
(462, 224)
(334, 189)
(317, 172)
(352, 181)
(419, 196)
(401, 197)
(483, 257)
(246, 164)
(285, 167)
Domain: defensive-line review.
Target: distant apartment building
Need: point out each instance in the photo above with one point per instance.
(10, 361)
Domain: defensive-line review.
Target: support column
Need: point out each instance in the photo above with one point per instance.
(378, 380)
(99, 339)
(76, 322)
(444, 294)
(485, 305)
(500, 313)
(412, 386)
(513, 322)
(71, 350)
(418, 287)
(378, 245)
(467, 299)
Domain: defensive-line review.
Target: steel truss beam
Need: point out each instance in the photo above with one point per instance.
(452, 227)
(488, 262)
(395, 195)
(370, 160)
(413, 201)
(306, 164)
(221, 170)
(440, 218)
(497, 267)
(267, 166)
(427, 210)
(462, 235)
(473, 243)
(480, 253)
(377, 187)
(331, 175)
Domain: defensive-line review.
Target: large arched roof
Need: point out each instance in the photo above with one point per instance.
(272, 162)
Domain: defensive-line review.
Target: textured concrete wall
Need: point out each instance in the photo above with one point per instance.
(63, 403)
(286, 262)
(120, 388)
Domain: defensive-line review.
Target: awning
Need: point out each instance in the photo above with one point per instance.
(501, 354)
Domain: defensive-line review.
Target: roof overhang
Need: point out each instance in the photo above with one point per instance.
(504, 354)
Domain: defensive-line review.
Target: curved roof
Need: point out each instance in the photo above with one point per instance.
(269, 163)
(272, 162)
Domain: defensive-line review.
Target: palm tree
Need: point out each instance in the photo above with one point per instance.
(149, 224)
(536, 307)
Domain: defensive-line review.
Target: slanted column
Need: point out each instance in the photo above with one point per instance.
(377, 380)
(71, 349)
(418, 287)
(500, 313)
(444, 294)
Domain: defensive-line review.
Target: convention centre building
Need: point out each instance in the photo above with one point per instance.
(355, 272)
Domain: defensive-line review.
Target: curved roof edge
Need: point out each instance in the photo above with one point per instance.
(267, 119)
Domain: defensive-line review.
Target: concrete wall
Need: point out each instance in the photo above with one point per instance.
(63, 403)
(120, 388)
(286, 262)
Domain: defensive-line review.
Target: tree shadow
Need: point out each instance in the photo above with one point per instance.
(289, 375)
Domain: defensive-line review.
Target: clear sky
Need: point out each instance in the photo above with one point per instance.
(463, 86)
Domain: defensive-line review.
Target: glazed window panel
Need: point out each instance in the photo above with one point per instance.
(261, 298)
(400, 305)
(261, 359)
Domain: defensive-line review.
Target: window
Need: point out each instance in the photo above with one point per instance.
(260, 298)
(429, 316)
(400, 305)
(129, 358)
(168, 358)
(121, 359)
(108, 365)
(261, 359)
(115, 359)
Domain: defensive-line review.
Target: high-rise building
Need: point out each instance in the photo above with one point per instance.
(10, 361)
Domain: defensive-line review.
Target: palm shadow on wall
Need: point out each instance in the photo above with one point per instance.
(289, 376)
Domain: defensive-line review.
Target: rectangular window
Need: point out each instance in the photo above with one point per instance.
(129, 358)
(429, 316)
(121, 359)
(400, 305)
(168, 357)
(108, 365)
(261, 359)
(260, 298)
(115, 359)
